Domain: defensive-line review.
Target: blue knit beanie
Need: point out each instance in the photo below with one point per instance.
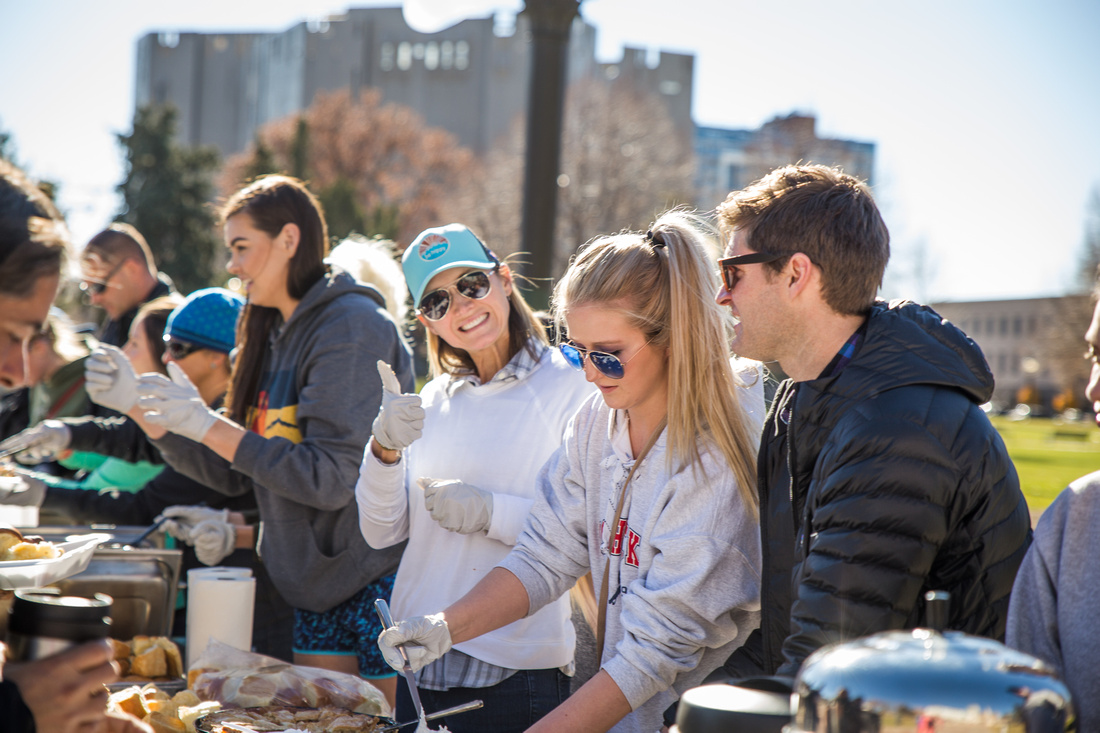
(206, 318)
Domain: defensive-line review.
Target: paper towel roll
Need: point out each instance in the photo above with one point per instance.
(219, 606)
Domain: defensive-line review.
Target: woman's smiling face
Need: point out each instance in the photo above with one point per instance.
(473, 325)
(262, 262)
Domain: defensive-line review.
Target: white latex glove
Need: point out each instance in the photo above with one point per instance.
(22, 490)
(213, 540)
(400, 418)
(109, 378)
(456, 506)
(425, 638)
(181, 519)
(175, 404)
(41, 443)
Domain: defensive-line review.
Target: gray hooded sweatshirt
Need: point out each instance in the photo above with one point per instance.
(318, 398)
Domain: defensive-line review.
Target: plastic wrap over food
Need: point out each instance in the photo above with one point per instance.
(243, 679)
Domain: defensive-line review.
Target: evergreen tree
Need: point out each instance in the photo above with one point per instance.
(166, 195)
(262, 161)
(343, 214)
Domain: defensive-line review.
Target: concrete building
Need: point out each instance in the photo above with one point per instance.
(1032, 345)
(728, 160)
(470, 79)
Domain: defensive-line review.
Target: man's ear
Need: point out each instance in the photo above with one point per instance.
(799, 273)
(289, 237)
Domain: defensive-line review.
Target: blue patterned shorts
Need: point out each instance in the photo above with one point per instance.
(349, 628)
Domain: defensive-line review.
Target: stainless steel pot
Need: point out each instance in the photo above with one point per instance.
(924, 680)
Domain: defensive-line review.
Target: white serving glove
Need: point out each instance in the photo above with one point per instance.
(207, 530)
(456, 506)
(425, 638)
(400, 418)
(109, 379)
(41, 443)
(175, 404)
(22, 490)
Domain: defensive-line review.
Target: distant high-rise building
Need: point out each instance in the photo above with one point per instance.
(470, 79)
(728, 160)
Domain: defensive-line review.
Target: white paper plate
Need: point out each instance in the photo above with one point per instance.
(78, 550)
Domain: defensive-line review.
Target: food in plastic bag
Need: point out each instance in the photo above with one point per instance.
(243, 679)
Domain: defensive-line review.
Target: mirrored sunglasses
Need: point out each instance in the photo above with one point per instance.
(179, 349)
(473, 286)
(606, 364)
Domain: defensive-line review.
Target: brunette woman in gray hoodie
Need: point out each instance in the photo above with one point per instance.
(302, 394)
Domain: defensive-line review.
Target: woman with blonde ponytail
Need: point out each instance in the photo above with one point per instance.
(653, 490)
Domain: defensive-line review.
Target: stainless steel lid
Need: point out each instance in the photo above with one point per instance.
(927, 680)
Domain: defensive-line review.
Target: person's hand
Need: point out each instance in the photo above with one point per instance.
(22, 489)
(425, 638)
(400, 418)
(41, 443)
(213, 540)
(109, 379)
(456, 506)
(209, 531)
(65, 692)
(175, 404)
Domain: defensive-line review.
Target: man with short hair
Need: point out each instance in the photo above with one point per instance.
(119, 275)
(1054, 602)
(880, 476)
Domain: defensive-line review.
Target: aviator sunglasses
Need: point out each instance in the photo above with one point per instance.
(179, 350)
(473, 286)
(606, 364)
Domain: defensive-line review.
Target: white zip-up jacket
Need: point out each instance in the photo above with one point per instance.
(684, 588)
(495, 436)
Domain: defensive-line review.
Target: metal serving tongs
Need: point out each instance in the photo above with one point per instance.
(383, 609)
(466, 707)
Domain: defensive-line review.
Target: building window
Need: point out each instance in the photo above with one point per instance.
(404, 56)
(446, 54)
(431, 56)
(1004, 326)
(1017, 326)
(386, 59)
(977, 327)
(1031, 326)
(990, 326)
(462, 55)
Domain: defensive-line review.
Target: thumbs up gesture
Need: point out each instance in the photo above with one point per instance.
(400, 418)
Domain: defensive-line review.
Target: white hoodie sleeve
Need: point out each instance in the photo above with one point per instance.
(383, 499)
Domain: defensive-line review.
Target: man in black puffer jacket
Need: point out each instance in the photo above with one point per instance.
(880, 476)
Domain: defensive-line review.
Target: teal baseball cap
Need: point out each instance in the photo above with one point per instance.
(442, 248)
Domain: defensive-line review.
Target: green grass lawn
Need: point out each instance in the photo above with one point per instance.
(1049, 454)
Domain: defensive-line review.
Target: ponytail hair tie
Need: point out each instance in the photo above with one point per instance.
(652, 241)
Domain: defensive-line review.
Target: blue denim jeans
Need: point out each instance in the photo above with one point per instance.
(515, 704)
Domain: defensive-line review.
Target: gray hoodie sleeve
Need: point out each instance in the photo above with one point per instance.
(338, 399)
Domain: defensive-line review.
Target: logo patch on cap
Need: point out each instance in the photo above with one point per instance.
(433, 246)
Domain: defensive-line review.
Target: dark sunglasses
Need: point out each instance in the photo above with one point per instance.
(729, 265)
(606, 364)
(179, 349)
(473, 285)
(96, 287)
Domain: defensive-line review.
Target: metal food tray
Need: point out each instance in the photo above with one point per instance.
(209, 722)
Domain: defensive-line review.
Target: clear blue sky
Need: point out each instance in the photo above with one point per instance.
(986, 113)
